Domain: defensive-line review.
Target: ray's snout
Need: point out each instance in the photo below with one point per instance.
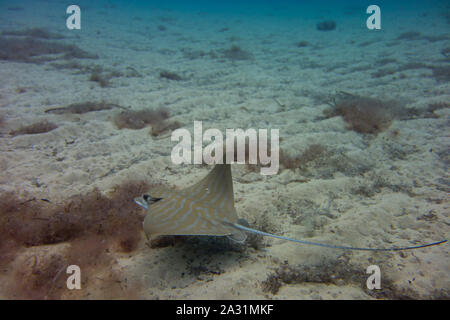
(141, 202)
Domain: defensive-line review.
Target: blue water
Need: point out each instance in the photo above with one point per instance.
(277, 11)
(244, 64)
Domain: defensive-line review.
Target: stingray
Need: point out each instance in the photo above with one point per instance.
(207, 208)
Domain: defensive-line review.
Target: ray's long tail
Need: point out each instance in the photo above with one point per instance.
(241, 227)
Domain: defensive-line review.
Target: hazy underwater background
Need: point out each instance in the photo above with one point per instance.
(85, 123)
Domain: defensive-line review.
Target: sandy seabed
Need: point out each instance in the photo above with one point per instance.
(389, 189)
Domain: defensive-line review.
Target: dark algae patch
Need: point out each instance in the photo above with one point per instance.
(170, 75)
(37, 51)
(84, 230)
(40, 33)
(326, 25)
(35, 128)
(84, 107)
(37, 45)
(139, 119)
(237, 53)
(363, 114)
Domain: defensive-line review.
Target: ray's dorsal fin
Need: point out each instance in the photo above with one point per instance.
(207, 208)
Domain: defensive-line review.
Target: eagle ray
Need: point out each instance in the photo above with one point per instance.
(207, 208)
